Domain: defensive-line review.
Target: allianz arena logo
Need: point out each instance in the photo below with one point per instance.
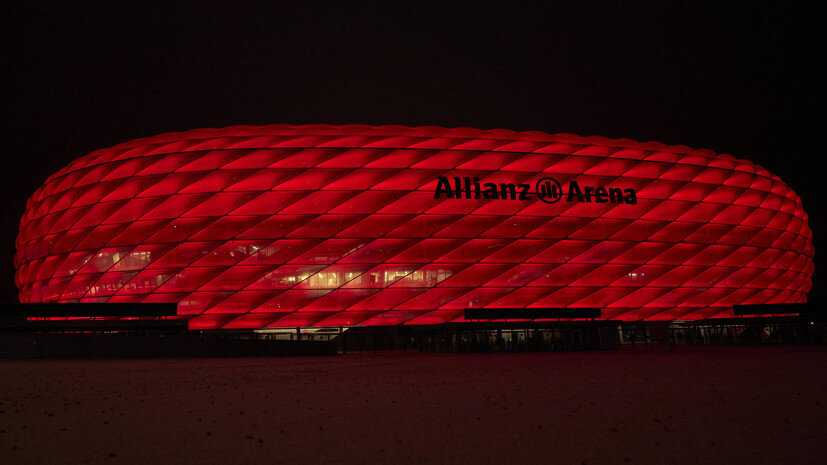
(547, 189)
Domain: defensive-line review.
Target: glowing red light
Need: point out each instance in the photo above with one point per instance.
(284, 226)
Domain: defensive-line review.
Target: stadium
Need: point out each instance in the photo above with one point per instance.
(318, 226)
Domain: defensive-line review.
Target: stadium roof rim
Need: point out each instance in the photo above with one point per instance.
(391, 131)
(409, 131)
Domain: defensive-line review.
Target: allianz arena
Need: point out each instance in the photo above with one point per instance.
(294, 226)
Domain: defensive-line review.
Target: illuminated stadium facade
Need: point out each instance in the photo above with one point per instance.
(295, 226)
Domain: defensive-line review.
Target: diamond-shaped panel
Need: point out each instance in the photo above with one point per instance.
(284, 226)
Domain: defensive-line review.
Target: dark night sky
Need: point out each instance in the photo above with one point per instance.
(732, 79)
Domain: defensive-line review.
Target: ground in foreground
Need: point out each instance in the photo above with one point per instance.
(692, 405)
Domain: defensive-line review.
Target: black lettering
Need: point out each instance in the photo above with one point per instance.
(467, 187)
(524, 192)
(490, 191)
(443, 187)
(508, 189)
(547, 191)
(574, 190)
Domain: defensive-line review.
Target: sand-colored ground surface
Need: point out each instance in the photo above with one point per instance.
(694, 405)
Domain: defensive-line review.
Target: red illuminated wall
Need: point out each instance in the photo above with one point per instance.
(284, 226)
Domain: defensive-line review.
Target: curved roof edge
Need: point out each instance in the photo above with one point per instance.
(389, 131)
(404, 131)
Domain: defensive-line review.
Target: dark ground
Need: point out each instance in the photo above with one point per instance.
(694, 405)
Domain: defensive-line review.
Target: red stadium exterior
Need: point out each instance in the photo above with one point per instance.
(286, 226)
